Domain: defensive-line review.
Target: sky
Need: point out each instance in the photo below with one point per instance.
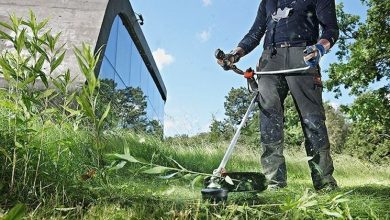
(183, 36)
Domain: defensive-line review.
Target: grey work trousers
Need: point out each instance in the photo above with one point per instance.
(306, 90)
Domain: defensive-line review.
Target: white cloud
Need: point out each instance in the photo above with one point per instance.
(206, 2)
(162, 58)
(204, 35)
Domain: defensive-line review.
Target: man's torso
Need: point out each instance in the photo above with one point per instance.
(300, 26)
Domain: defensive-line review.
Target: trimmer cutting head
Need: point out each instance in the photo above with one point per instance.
(215, 195)
(242, 182)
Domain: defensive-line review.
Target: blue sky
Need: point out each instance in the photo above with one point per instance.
(183, 36)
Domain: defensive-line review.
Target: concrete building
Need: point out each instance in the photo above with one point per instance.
(109, 24)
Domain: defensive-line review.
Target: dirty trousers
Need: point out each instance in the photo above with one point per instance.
(306, 90)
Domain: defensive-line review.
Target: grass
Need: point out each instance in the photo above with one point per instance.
(129, 194)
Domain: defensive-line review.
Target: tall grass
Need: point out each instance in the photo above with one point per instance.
(363, 193)
(106, 193)
(42, 148)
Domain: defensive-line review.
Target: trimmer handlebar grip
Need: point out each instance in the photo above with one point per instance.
(219, 54)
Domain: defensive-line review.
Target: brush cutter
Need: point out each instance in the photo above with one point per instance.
(221, 182)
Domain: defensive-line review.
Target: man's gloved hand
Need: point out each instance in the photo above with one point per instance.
(230, 58)
(313, 54)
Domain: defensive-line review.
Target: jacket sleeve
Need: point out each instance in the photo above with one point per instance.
(326, 14)
(252, 39)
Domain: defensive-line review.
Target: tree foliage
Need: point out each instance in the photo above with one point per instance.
(364, 55)
(369, 134)
(236, 104)
(128, 108)
(363, 61)
(371, 110)
(220, 130)
(337, 126)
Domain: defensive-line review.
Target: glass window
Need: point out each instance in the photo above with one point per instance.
(144, 79)
(158, 115)
(119, 82)
(110, 52)
(156, 99)
(149, 112)
(151, 87)
(107, 71)
(162, 112)
(135, 67)
(158, 106)
(123, 54)
(157, 109)
(123, 63)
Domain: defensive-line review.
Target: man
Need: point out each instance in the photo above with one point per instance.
(292, 40)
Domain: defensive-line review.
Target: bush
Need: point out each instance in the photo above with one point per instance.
(374, 147)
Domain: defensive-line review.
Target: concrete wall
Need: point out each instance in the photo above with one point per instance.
(78, 20)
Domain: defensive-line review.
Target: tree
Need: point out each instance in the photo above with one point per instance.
(364, 55)
(220, 130)
(369, 134)
(106, 94)
(337, 128)
(155, 128)
(236, 104)
(132, 104)
(128, 107)
(371, 110)
(363, 60)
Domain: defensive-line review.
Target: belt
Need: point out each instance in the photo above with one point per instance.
(287, 44)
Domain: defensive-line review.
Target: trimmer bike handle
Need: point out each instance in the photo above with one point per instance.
(249, 73)
(282, 71)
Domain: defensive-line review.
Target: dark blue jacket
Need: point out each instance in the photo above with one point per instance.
(303, 25)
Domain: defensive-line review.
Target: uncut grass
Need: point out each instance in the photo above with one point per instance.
(369, 184)
(128, 192)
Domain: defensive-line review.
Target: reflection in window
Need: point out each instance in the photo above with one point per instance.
(135, 96)
(144, 79)
(136, 65)
(123, 54)
(150, 88)
(107, 71)
(112, 42)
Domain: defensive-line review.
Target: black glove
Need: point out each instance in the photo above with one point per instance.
(227, 60)
(233, 57)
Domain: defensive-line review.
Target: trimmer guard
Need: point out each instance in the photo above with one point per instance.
(243, 182)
